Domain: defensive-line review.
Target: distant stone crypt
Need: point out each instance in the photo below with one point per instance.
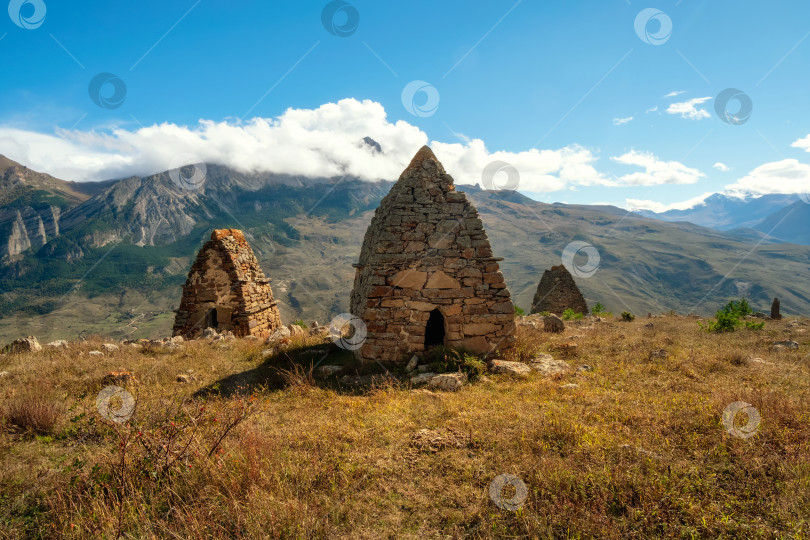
(557, 292)
(427, 275)
(226, 290)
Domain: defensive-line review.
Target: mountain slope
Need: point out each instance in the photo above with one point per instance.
(790, 224)
(726, 213)
(119, 263)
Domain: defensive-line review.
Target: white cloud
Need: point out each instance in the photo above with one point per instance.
(786, 176)
(653, 109)
(689, 109)
(803, 143)
(637, 204)
(675, 93)
(656, 172)
(721, 167)
(622, 121)
(320, 142)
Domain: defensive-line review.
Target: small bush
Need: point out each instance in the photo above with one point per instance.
(570, 315)
(301, 323)
(728, 318)
(31, 413)
(599, 311)
(519, 311)
(628, 317)
(449, 360)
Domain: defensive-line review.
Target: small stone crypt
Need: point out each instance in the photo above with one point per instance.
(426, 274)
(226, 290)
(557, 291)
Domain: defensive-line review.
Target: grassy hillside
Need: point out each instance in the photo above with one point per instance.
(634, 446)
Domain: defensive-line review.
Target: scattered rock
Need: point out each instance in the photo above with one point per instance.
(422, 378)
(58, 344)
(177, 340)
(569, 385)
(3, 373)
(542, 357)
(658, 354)
(96, 353)
(109, 347)
(448, 381)
(424, 368)
(552, 323)
(185, 379)
(649, 325)
(761, 361)
(281, 333)
(328, 371)
(412, 364)
(549, 366)
(786, 345)
(24, 345)
(295, 330)
(267, 353)
(585, 367)
(517, 369)
(759, 315)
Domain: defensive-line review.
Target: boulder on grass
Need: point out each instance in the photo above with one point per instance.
(24, 345)
(517, 369)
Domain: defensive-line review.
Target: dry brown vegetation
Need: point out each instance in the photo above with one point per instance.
(255, 447)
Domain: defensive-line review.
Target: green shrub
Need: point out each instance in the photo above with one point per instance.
(628, 317)
(729, 318)
(519, 311)
(569, 314)
(599, 311)
(301, 323)
(444, 360)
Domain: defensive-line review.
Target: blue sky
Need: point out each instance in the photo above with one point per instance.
(515, 75)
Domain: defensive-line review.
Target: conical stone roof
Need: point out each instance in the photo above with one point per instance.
(426, 250)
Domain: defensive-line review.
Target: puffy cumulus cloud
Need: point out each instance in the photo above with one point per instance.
(656, 172)
(320, 142)
(638, 204)
(803, 143)
(313, 142)
(786, 176)
(540, 171)
(720, 166)
(689, 109)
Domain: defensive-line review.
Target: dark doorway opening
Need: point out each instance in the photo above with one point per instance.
(212, 321)
(434, 330)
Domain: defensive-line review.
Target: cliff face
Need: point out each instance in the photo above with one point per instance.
(31, 206)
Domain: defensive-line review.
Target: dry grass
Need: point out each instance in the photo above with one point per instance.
(260, 448)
